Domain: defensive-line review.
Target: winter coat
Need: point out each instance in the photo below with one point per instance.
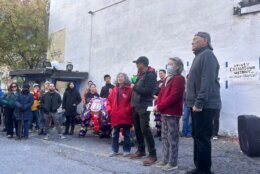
(23, 106)
(143, 91)
(119, 106)
(158, 87)
(71, 99)
(8, 100)
(170, 98)
(50, 102)
(106, 90)
(203, 88)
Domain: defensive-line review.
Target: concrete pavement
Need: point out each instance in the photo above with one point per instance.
(90, 155)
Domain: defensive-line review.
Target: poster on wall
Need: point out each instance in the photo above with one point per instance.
(56, 50)
(243, 72)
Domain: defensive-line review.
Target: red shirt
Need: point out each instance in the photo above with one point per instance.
(170, 98)
(119, 106)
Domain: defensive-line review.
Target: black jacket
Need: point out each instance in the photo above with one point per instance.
(71, 99)
(51, 102)
(89, 96)
(105, 90)
(143, 91)
(158, 87)
(203, 88)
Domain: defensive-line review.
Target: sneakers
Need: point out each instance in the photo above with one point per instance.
(169, 167)
(126, 154)
(46, 137)
(215, 138)
(161, 164)
(137, 155)
(9, 136)
(149, 161)
(112, 154)
(62, 137)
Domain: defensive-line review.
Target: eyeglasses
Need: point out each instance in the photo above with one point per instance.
(14, 86)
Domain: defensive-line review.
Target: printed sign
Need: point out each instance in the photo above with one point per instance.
(56, 49)
(244, 72)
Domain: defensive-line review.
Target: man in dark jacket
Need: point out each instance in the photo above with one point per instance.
(203, 97)
(51, 101)
(142, 97)
(105, 91)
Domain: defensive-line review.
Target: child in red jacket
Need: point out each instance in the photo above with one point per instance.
(170, 105)
(119, 109)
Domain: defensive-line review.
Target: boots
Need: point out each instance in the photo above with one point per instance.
(72, 130)
(66, 130)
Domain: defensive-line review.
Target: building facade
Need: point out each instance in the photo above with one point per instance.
(105, 36)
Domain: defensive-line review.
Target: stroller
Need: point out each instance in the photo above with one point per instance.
(95, 117)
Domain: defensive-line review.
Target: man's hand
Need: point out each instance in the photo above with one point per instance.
(155, 97)
(132, 85)
(195, 109)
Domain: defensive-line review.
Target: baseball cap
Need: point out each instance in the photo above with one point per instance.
(143, 60)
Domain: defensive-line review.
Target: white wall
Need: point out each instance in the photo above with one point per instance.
(159, 29)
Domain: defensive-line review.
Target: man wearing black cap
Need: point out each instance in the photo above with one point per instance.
(142, 97)
(203, 97)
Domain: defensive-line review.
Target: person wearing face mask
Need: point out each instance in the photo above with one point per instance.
(23, 113)
(170, 105)
(8, 101)
(51, 101)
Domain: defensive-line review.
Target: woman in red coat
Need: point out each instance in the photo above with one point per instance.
(119, 109)
(170, 105)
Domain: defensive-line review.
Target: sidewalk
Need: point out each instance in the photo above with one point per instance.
(90, 155)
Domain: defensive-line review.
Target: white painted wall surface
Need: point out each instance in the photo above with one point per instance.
(159, 29)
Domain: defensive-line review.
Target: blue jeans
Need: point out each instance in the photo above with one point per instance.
(187, 127)
(25, 128)
(115, 139)
(36, 118)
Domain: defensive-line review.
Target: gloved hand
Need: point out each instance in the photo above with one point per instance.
(21, 109)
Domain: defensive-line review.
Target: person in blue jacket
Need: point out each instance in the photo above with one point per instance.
(23, 113)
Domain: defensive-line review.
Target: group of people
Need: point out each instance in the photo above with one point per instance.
(129, 104)
(22, 106)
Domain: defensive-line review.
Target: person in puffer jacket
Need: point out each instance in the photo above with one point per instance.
(120, 112)
(23, 113)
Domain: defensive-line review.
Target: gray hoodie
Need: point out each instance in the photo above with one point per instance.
(203, 89)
